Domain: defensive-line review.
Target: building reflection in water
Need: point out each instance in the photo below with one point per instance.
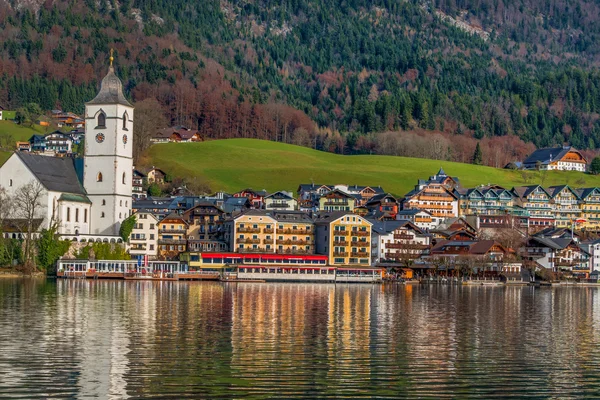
(115, 339)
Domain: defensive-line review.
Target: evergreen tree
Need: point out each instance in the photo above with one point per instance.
(595, 166)
(478, 155)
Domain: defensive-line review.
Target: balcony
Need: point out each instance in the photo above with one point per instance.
(268, 230)
(341, 233)
(406, 246)
(296, 231)
(359, 243)
(165, 230)
(340, 243)
(336, 203)
(361, 233)
(257, 250)
(248, 230)
(268, 241)
(290, 242)
(403, 236)
(279, 205)
(291, 251)
(248, 241)
(360, 254)
(340, 254)
(172, 241)
(137, 239)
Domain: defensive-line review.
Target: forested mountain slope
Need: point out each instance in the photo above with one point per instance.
(323, 73)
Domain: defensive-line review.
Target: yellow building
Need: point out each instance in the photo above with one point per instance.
(336, 200)
(344, 237)
(590, 209)
(566, 207)
(260, 231)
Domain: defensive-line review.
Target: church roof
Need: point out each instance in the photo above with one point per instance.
(54, 173)
(111, 91)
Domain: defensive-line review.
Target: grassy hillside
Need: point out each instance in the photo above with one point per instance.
(10, 133)
(235, 164)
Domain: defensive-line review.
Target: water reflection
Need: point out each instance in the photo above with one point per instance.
(114, 339)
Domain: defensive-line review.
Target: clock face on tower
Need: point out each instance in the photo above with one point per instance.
(100, 137)
(124, 139)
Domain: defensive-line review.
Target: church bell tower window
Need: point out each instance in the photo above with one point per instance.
(101, 120)
(99, 177)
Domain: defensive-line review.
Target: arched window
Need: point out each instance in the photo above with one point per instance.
(102, 214)
(10, 182)
(99, 177)
(103, 202)
(101, 120)
(121, 203)
(124, 178)
(125, 121)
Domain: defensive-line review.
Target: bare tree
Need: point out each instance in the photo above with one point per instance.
(148, 119)
(29, 207)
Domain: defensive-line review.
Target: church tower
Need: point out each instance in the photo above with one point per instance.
(108, 155)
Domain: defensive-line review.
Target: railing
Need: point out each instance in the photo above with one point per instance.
(279, 205)
(295, 231)
(162, 230)
(288, 242)
(133, 239)
(403, 236)
(268, 241)
(336, 203)
(257, 250)
(359, 243)
(340, 243)
(405, 246)
(172, 241)
(340, 254)
(361, 233)
(248, 230)
(341, 233)
(291, 251)
(249, 240)
(268, 230)
(359, 254)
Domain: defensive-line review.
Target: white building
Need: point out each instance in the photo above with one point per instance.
(90, 196)
(281, 201)
(397, 241)
(144, 236)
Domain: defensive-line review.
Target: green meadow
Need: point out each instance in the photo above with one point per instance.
(234, 164)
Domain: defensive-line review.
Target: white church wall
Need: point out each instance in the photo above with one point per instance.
(14, 175)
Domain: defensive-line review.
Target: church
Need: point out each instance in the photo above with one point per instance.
(87, 197)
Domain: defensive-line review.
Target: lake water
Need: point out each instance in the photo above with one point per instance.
(116, 339)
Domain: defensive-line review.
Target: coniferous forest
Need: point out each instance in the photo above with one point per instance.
(423, 78)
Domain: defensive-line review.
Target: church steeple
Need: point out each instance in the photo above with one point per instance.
(111, 88)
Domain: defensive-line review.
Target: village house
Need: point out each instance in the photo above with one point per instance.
(137, 185)
(560, 254)
(38, 143)
(178, 134)
(143, 240)
(487, 256)
(172, 231)
(337, 200)
(421, 218)
(485, 201)
(24, 146)
(205, 230)
(590, 209)
(434, 198)
(58, 143)
(69, 119)
(538, 203)
(397, 242)
(565, 205)
(344, 237)
(281, 201)
(256, 197)
(155, 175)
(564, 158)
(383, 206)
(362, 194)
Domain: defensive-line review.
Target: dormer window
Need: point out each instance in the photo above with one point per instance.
(101, 120)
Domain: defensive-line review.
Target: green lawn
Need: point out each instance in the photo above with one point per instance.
(4, 156)
(235, 164)
(18, 132)
(6, 115)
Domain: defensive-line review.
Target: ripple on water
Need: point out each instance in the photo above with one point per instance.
(114, 339)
